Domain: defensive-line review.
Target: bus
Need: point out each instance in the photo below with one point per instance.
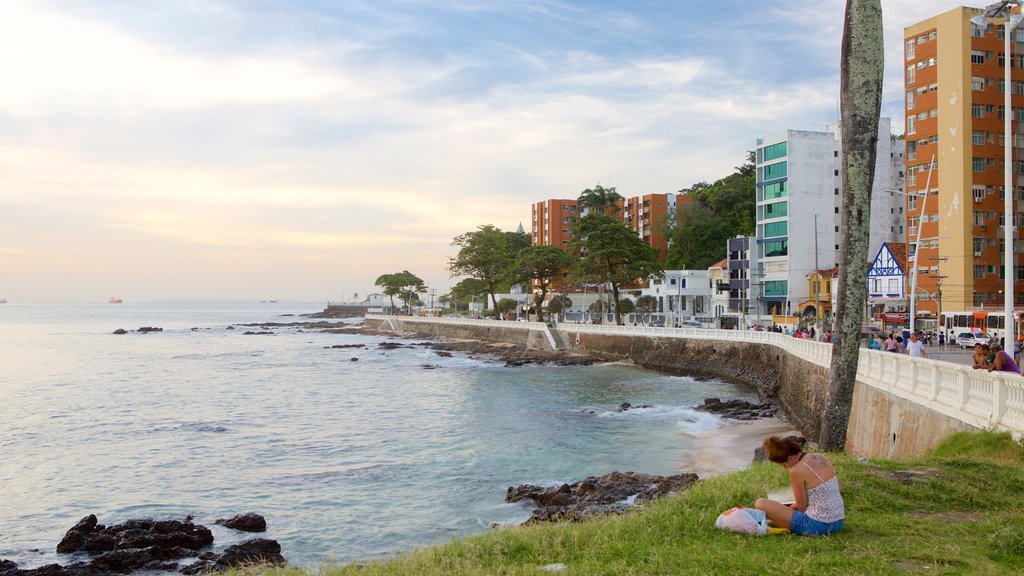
(979, 321)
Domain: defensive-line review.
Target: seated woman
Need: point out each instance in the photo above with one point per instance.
(819, 503)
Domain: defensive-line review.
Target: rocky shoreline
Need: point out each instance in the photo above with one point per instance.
(154, 545)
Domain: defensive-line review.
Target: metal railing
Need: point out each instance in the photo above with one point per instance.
(979, 398)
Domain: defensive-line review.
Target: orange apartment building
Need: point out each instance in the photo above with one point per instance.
(552, 220)
(954, 115)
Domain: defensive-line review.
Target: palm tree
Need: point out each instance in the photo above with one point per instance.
(600, 199)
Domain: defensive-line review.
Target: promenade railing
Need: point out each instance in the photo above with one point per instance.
(976, 397)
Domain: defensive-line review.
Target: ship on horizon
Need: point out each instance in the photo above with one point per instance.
(115, 300)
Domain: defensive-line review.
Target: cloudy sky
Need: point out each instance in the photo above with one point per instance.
(299, 149)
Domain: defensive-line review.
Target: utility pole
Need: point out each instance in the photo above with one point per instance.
(817, 279)
(938, 286)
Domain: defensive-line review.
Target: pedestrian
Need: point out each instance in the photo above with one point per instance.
(890, 344)
(915, 347)
(942, 340)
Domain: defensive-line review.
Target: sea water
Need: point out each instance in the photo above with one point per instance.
(350, 454)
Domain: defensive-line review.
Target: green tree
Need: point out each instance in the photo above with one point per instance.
(464, 291)
(626, 306)
(612, 254)
(645, 306)
(707, 215)
(558, 303)
(546, 265)
(505, 305)
(599, 199)
(860, 94)
(404, 284)
(487, 254)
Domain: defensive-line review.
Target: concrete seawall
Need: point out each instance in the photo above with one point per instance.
(882, 424)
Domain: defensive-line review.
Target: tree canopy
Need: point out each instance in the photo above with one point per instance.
(404, 284)
(599, 199)
(707, 215)
(611, 253)
(487, 254)
(546, 265)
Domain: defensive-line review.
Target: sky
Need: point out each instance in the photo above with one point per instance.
(298, 149)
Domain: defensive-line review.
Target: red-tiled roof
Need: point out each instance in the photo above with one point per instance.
(899, 253)
(720, 264)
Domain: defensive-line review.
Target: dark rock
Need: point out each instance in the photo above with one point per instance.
(592, 496)
(75, 537)
(260, 550)
(737, 409)
(391, 346)
(145, 329)
(627, 406)
(428, 366)
(120, 331)
(443, 354)
(6, 565)
(349, 346)
(249, 522)
(353, 359)
(261, 333)
(230, 328)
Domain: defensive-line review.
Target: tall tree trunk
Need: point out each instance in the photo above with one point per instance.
(615, 303)
(860, 96)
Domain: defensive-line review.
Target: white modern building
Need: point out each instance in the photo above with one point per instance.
(682, 295)
(798, 203)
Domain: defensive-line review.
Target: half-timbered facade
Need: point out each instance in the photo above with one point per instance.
(887, 278)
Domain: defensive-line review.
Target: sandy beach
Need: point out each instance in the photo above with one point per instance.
(731, 447)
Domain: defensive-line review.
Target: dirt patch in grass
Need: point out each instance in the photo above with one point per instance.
(908, 476)
(946, 516)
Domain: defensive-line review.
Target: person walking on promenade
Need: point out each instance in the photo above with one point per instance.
(890, 343)
(942, 340)
(818, 508)
(915, 347)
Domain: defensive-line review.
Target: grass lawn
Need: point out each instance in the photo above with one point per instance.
(956, 510)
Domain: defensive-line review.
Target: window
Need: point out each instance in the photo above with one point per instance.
(979, 272)
(979, 218)
(978, 164)
(977, 56)
(774, 151)
(933, 35)
(978, 137)
(910, 99)
(776, 248)
(977, 32)
(776, 287)
(911, 125)
(776, 190)
(894, 286)
(910, 49)
(775, 229)
(777, 170)
(932, 61)
(977, 83)
(912, 203)
(977, 110)
(979, 193)
(910, 74)
(776, 210)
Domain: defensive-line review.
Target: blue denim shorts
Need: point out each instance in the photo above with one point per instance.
(804, 525)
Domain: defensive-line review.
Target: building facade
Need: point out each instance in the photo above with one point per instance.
(798, 204)
(551, 222)
(954, 100)
(647, 215)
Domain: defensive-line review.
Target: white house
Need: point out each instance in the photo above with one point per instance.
(682, 295)
(886, 278)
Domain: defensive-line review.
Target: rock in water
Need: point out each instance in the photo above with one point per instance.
(608, 494)
(245, 523)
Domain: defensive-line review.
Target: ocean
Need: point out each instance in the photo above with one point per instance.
(347, 460)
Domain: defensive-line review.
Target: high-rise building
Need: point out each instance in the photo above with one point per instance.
(552, 221)
(955, 93)
(647, 216)
(798, 204)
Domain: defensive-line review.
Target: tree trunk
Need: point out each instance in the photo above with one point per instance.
(539, 302)
(860, 96)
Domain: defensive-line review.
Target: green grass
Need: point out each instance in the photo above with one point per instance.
(956, 510)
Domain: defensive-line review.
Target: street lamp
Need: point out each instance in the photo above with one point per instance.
(1000, 12)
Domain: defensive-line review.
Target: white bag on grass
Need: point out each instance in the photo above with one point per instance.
(744, 521)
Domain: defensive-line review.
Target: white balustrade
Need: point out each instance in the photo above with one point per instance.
(976, 397)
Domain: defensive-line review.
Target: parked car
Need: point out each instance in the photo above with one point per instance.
(967, 340)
